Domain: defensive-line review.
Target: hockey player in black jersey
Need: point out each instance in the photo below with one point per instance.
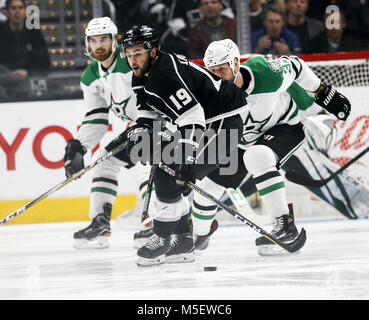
(203, 108)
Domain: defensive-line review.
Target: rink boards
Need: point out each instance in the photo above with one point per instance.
(33, 136)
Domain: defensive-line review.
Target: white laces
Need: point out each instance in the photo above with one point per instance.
(277, 224)
(155, 243)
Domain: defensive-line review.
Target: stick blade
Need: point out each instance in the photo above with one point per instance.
(298, 243)
(303, 181)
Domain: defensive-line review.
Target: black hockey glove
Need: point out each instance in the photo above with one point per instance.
(185, 163)
(333, 101)
(73, 158)
(136, 134)
(184, 173)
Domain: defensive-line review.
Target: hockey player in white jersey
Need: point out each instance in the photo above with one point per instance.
(272, 133)
(106, 85)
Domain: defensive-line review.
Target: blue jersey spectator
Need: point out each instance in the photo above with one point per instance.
(275, 38)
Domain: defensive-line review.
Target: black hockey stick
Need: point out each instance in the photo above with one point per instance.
(294, 246)
(293, 176)
(63, 183)
(145, 211)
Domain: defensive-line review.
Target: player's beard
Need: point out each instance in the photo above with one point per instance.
(103, 55)
(141, 71)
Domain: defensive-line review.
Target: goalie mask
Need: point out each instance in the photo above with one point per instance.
(97, 27)
(222, 51)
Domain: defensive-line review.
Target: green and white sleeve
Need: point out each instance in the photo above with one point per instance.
(96, 120)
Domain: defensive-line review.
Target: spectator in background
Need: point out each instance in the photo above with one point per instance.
(335, 38)
(279, 3)
(213, 26)
(172, 20)
(23, 52)
(256, 14)
(297, 21)
(274, 38)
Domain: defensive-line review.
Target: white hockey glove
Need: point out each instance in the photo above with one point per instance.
(320, 132)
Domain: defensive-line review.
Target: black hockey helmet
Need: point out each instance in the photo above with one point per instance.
(138, 35)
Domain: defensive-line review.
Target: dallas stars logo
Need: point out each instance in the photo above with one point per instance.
(252, 129)
(119, 108)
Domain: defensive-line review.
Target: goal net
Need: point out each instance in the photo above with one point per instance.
(349, 74)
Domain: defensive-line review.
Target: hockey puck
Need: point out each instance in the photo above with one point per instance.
(210, 268)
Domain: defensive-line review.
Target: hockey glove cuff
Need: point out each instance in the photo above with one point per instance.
(140, 133)
(187, 146)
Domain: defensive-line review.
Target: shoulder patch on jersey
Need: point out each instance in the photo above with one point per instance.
(266, 79)
(274, 64)
(91, 73)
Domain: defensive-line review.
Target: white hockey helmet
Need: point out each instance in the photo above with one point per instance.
(97, 27)
(222, 51)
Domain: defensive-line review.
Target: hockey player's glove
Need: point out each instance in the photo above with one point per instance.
(140, 133)
(185, 163)
(73, 158)
(333, 101)
(184, 173)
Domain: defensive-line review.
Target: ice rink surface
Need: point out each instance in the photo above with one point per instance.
(39, 262)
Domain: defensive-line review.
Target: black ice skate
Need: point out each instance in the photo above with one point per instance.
(140, 238)
(284, 230)
(97, 234)
(181, 248)
(153, 252)
(202, 242)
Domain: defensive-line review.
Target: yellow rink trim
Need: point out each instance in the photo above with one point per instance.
(60, 209)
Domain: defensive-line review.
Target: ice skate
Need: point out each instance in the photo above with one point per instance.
(154, 251)
(97, 234)
(141, 237)
(202, 242)
(181, 248)
(284, 230)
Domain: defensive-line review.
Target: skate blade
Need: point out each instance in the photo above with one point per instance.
(274, 250)
(198, 252)
(144, 262)
(141, 242)
(97, 243)
(181, 258)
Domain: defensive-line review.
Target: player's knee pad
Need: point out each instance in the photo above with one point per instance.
(210, 187)
(259, 159)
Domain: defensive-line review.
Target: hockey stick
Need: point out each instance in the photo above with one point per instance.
(308, 182)
(63, 183)
(294, 246)
(145, 212)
